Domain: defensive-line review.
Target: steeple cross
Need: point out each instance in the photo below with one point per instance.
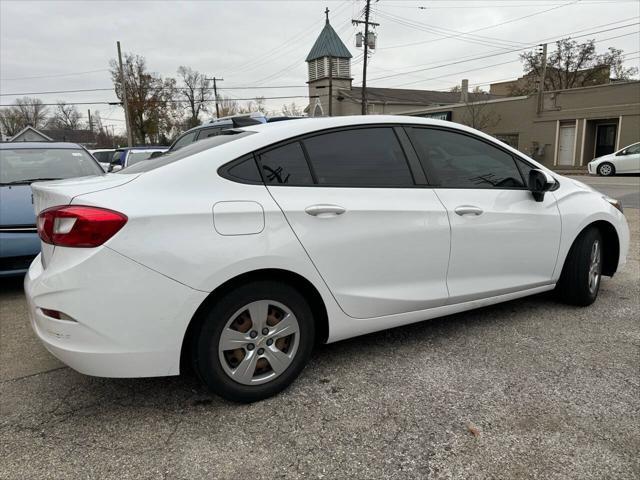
(326, 12)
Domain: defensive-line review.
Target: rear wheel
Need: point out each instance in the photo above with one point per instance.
(606, 169)
(580, 279)
(255, 341)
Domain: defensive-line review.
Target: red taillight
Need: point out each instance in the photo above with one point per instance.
(78, 226)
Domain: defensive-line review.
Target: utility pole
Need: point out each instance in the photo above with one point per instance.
(123, 85)
(215, 92)
(90, 122)
(366, 22)
(541, 79)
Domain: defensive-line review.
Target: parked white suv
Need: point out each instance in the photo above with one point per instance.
(239, 252)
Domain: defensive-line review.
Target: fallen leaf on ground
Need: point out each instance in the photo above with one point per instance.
(475, 431)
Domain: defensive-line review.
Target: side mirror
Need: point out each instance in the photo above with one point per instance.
(114, 167)
(539, 183)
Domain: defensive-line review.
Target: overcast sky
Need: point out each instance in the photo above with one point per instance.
(66, 45)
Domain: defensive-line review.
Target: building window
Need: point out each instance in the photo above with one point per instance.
(510, 139)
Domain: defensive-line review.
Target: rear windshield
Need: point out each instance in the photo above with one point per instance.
(225, 136)
(26, 165)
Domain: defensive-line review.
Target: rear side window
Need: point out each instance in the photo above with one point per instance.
(365, 157)
(455, 160)
(244, 170)
(286, 165)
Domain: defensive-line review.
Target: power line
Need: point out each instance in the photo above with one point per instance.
(84, 90)
(497, 54)
(154, 101)
(488, 26)
(55, 75)
(449, 33)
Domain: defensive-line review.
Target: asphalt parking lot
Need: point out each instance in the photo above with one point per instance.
(526, 389)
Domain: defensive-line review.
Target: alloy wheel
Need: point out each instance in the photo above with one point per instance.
(595, 267)
(605, 170)
(259, 342)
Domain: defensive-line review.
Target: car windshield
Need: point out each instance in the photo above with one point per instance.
(26, 165)
(170, 157)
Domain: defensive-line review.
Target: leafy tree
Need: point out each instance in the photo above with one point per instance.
(152, 108)
(572, 65)
(197, 93)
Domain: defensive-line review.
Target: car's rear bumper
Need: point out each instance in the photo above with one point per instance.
(127, 320)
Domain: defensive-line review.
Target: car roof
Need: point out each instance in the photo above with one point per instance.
(39, 145)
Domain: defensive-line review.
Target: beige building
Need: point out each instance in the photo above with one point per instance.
(573, 127)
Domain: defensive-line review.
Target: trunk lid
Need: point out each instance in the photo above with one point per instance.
(62, 192)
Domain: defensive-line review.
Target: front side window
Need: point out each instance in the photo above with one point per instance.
(26, 165)
(285, 165)
(632, 150)
(365, 157)
(455, 160)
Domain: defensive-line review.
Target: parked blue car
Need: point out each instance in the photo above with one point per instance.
(20, 165)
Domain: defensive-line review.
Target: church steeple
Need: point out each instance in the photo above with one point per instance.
(329, 46)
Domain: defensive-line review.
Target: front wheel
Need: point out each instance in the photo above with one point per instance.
(580, 279)
(255, 341)
(606, 169)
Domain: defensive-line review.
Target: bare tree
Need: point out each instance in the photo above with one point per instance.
(65, 117)
(572, 65)
(480, 115)
(228, 106)
(25, 111)
(197, 93)
(291, 110)
(10, 121)
(152, 108)
(257, 105)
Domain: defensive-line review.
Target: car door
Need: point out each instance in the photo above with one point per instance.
(502, 240)
(628, 160)
(380, 242)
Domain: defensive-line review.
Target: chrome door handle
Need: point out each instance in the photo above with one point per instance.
(325, 210)
(468, 210)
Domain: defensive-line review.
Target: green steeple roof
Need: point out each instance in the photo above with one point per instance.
(328, 44)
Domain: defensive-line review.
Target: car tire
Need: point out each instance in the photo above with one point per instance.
(606, 169)
(241, 374)
(580, 279)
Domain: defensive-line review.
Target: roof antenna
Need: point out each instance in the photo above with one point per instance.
(326, 12)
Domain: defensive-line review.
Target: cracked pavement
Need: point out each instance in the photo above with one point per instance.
(552, 391)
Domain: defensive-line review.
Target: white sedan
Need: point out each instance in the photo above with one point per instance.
(238, 253)
(626, 160)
